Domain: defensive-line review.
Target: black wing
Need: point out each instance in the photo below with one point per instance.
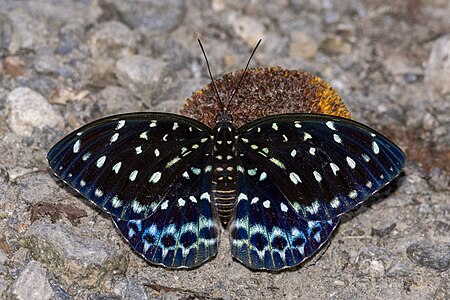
(150, 171)
(324, 165)
(129, 164)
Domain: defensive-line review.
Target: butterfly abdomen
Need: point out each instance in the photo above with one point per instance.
(224, 182)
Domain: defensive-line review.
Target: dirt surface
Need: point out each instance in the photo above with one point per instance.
(65, 63)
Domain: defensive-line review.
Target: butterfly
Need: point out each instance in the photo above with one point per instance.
(279, 183)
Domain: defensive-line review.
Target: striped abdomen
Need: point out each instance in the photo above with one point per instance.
(224, 172)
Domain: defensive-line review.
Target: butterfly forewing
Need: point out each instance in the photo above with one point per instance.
(324, 165)
(129, 164)
(266, 232)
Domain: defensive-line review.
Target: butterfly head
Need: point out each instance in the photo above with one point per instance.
(224, 118)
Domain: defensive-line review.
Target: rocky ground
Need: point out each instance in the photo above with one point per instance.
(65, 63)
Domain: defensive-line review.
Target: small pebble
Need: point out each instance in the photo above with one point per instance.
(28, 110)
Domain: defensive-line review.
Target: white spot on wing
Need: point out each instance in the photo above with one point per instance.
(86, 156)
(76, 146)
(181, 202)
(306, 136)
(115, 202)
(143, 135)
(375, 147)
(120, 124)
(295, 178)
(334, 168)
(351, 163)
(266, 204)
(98, 193)
(116, 167)
(155, 177)
(313, 209)
(262, 176)
(330, 124)
(173, 161)
(277, 162)
(156, 152)
(365, 157)
(138, 150)
(242, 197)
(175, 126)
(101, 161)
(114, 137)
(165, 205)
(254, 200)
(317, 176)
(337, 138)
(294, 153)
(353, 194)
(335, 202)
(312, 151)
(275, 126)
(133, 175)
(196, 171)
(283, 207)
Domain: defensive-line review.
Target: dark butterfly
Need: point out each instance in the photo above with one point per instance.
(279, 183)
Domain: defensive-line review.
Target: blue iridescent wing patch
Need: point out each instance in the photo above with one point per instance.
(266, 232)
(324, 165)
(181, 233)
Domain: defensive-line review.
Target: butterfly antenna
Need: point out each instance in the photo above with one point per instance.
(210, 74)
(243, 75)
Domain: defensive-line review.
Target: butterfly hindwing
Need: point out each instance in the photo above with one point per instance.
(266, 232)
(181, 233)
(128, 164)
(324, 165)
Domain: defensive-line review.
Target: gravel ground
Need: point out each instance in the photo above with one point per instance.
(65, 63)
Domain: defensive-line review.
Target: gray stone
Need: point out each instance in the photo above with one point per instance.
(130, 289)
(247, 28)
(437, 72)
(152, 16)
(35, 187)
(3, 257)
(42, 84)
(384, 231)
(149, 79)
(28, 110)
(434, 257)
(79, 261)
(398, 269)
(3, 286)
(31, 284)
(6, 31)
(108, 42)
(119, 100)
(302, 45)
(47, 63)
(28, 32)
(439, 179)
(71, 36)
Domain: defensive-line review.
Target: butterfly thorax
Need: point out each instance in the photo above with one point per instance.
(224, 172)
